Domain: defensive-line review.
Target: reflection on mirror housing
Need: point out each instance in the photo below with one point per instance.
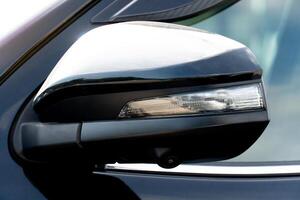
(145, 92)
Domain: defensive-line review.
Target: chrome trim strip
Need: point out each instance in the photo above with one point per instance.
(276, 170)
(124, 8)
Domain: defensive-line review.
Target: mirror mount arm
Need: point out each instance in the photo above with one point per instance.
(50, 142)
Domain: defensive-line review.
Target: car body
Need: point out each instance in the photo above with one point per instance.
(26, 63)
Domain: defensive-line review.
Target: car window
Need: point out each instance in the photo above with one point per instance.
(270, 28)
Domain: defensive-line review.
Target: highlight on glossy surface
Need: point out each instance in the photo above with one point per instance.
(123, 49)
(209, 170)
(237, 98)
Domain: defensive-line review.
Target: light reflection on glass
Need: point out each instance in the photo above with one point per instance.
(271, 29)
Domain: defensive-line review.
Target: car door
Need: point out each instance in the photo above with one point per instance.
(268, 170)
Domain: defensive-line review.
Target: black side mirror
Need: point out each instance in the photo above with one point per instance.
(145, 92)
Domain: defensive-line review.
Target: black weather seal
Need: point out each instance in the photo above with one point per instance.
(157, 10)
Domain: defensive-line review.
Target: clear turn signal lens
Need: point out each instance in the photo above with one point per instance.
(230, 99)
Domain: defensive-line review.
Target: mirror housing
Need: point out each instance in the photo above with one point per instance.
(146, 92)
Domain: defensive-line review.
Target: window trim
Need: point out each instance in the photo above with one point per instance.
(209, 170)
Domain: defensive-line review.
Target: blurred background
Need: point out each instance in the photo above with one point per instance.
(271, 29)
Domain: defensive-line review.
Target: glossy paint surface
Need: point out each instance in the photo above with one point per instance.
(167, 187)
(136, 46)
(140, 52)
(15, 184)
(30, 35)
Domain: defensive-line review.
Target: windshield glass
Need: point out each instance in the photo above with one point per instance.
(270, 28)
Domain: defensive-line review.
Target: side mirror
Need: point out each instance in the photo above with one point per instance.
(146, 92)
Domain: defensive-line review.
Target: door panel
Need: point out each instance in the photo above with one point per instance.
(167, 187)
(14, 91)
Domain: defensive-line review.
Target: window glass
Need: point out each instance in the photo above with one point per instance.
(271, 29)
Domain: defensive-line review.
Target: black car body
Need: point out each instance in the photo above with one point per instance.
(28, 58)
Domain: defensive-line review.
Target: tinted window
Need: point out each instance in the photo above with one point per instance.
(271, 29)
